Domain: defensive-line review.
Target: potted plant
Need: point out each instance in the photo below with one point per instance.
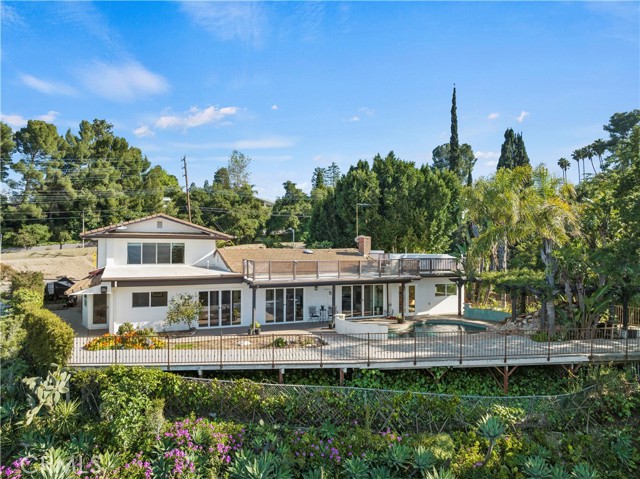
(254, 329)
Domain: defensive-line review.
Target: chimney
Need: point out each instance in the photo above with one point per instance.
(364, 245)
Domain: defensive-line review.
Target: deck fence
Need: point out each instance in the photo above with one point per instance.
(313, 350)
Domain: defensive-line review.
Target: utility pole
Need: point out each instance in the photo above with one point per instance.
(186, 179)
(83, 228)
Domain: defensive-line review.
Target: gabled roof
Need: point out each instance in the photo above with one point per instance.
(94, 278)
(119, 229)
(233, 256)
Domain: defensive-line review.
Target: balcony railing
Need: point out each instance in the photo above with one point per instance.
(437, 265)
(491, 348)
(306, 270)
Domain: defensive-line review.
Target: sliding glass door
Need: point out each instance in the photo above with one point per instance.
(220, 308)
(362, 301)
(284, 305)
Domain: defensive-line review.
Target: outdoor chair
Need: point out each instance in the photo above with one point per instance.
(313, 314)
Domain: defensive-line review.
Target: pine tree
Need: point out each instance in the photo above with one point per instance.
(454, 144)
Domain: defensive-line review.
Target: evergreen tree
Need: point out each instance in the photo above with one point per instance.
(7, 146)
(454, 144)
(513, 152)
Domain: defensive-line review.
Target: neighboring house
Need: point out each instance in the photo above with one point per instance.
(143, 263)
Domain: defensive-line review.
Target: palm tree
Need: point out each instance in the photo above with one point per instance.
(588, 152)
(553, 219)
(577, 156)
(564, 164)
(599, 147)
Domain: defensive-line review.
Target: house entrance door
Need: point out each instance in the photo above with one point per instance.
(100, 309)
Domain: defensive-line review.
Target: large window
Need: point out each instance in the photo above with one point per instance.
(447, 289)
(144, 300)
(362, 300)
(155, 253)
(220, 308)
(284, 304)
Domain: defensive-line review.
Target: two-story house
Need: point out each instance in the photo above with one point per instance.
(142, 264)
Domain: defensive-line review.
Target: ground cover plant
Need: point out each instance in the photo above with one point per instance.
(129, 427)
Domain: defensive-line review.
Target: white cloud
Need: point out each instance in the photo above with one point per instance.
(143, 131)
(243, 21)
(50, 88)
(49, 116)
(14, 121)
(491, 163)
(124, 82)
(354, 119)
(196, 117)
(483, 155)
(264, 143)
(18, 121)
(523, 115)
(367, 111)
(274, 107)
(493, 116)
(9, 16)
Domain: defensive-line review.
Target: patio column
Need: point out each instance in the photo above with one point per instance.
(403, 300)
(253, 308)
(333, 299)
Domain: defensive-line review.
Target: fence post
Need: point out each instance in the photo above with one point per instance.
(273, 354)
(460, 335)
(548, 345)
(506, 337)
(321, 343)
(591, 352)
(626, 347)
(168, 353)
(368, 349)
(415, 349)
(220, 349)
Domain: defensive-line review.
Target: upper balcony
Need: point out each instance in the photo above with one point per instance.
(305, 270)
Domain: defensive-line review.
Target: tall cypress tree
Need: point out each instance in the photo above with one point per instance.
(454, 144)
(513, 152)
(507, 152)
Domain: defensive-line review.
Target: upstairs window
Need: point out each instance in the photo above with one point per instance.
(155, 253)
(134, 253)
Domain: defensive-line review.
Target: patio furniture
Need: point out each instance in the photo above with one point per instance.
(313, 313)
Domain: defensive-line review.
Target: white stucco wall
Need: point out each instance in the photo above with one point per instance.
(122, 310)
(428, 303)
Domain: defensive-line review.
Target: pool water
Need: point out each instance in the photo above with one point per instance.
(446, 327)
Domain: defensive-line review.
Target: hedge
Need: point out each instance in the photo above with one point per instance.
(49, 339)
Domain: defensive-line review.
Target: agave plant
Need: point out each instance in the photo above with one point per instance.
(397, 457)
(248, 465)
(81, 444)
(491, 428)
(536, 467)
(381, 472)
(55, 464)
(441, 473)
(423, 459)
(319, 473)
(558, 472)
(584, 471)
(355, 468)
(35, 444)
(106, 465)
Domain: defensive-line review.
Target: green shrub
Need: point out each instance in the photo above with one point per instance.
(33, 280)
(126, 328)
(49, 339)
(24, 299)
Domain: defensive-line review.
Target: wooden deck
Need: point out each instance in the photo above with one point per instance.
(329, 350)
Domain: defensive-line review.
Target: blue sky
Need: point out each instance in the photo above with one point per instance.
(297, 85)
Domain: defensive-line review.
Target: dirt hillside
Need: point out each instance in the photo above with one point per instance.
(72, 263)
